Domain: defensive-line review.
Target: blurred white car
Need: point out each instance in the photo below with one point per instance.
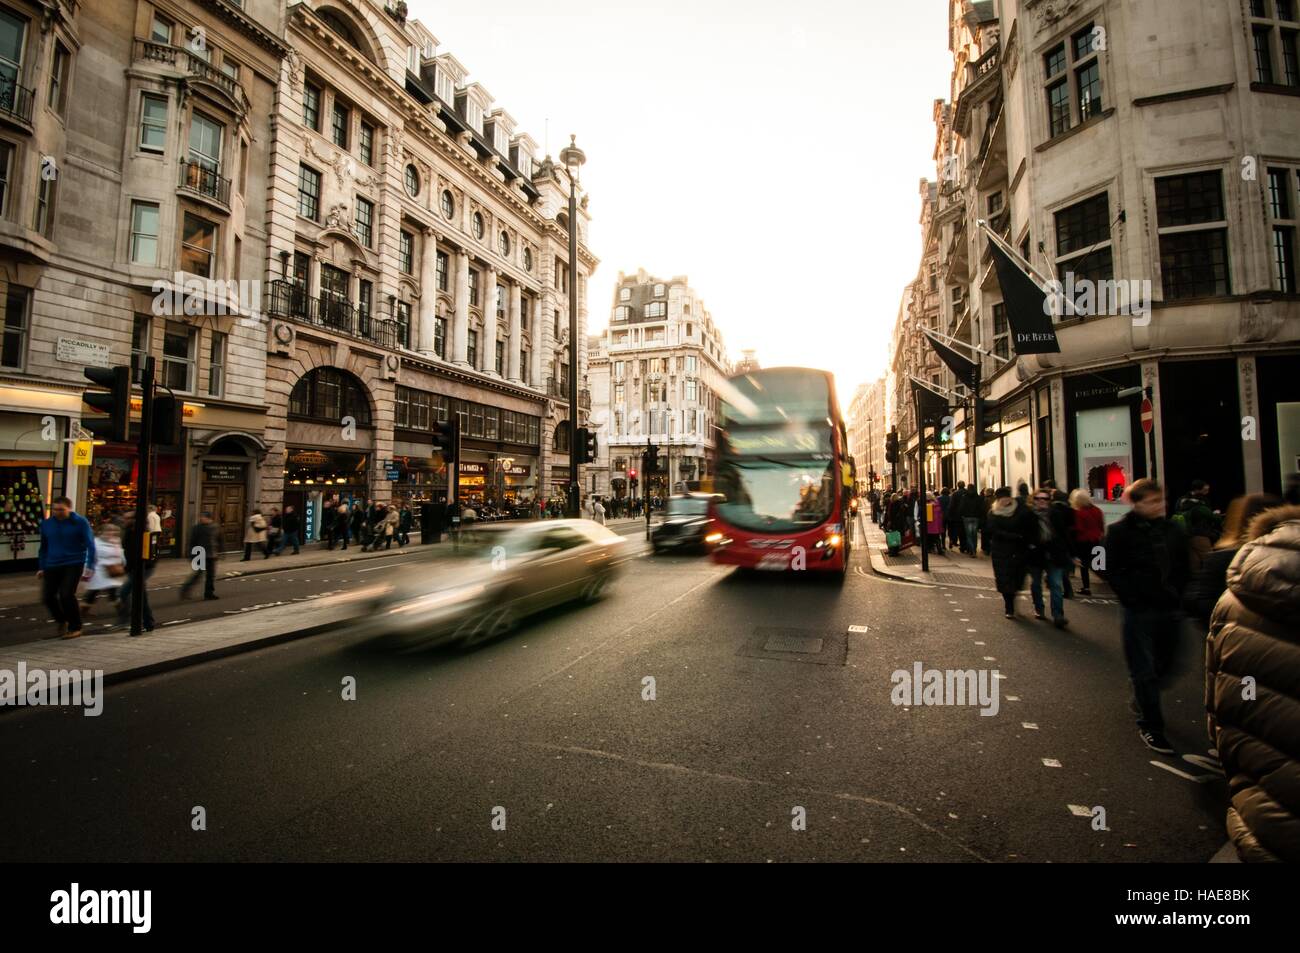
(499, 575)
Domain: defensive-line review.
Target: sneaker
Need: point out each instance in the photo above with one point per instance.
(1155, 741)
(1061, 623)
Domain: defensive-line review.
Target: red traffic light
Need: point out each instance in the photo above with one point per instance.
(631, 474)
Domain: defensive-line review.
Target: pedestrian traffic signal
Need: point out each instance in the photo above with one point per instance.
(116, 403)
(585, 445)
(651, 459)
(986, 421)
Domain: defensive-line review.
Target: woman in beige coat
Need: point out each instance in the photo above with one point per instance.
(255, 535)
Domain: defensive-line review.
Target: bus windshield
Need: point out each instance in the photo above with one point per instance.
(776, 495)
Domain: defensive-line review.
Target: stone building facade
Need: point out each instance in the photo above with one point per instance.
(656, 372)
(1149, 150)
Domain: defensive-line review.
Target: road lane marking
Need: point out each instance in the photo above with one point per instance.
(1051, 763)
(1194, 778)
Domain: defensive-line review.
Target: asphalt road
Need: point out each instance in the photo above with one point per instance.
(754, 724)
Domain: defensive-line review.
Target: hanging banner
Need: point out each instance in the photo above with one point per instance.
(83, 453)
(1026, 305)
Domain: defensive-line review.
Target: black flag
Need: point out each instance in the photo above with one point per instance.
(965, 369)
(931, 406)
(1026, 307)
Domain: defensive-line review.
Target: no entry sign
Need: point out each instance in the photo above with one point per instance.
(1148, 415)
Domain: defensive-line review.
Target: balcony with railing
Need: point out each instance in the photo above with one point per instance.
(290, 300)
(16, 102)
(198, 179)
(981, 80)
(189, 62)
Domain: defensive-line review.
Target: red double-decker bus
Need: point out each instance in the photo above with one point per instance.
(783, 474)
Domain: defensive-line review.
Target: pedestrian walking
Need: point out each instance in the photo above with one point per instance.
(110, 568)
(1049, 557)
(274, 532)
(255, 535)
(405, 520)
(359, 519)
(1089, 525)
(342, 526)
(66, 556)
(204, 537)
(1147, 566)
(1012, 530)
(987, 500)
(1254, 640)
(933, 517)
(971, 513)
(598, 511)
(392, 519)
(1198, 520)
(291, 526)
(134, 558)
(1210, 581)
(152, 519)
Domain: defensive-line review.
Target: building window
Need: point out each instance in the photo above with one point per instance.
(139, 345)
(15, 343)
(471, 349)
(1072, 74)
(328, 394)
(44, 217)
(656, 309)
(1001, 332)
(620, 392)
(1193, 232)
(339, 123)
(560, 442)
(229, 67)
(448, 205)
(524, 365)
(403, 319)
(501, 357)
(442, 265)
(504, 244)
(160, 30)
(217, 365)
(659, 291)
(412, 180)
(309, 193)
(690, 389)
(198, 246)
(1083, 242)
(178, 370)
(622, 312)
(6, 167)
(205, 142)
(525, 312)
(364, 225)
(144, 233)
(58, 78)
(406, 252)
(367, 143)
(1274, 33)
(528, 260)
(1284, 220)
(440, 337)
(473, 287)
(153, 123)
(311, 106)
(501, 301)
(478, 225)
(625, 294)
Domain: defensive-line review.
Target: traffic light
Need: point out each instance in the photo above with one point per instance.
(446, 436)
(116, 403)
(986, 421)
(652, 459)
(167, 418)
(585, 445)
(891, 447)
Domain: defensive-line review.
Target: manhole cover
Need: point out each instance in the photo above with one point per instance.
(793, 643)
(797, 645)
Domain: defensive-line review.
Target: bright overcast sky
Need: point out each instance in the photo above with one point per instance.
(768, 150)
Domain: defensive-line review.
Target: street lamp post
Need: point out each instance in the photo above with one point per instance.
(573, 158)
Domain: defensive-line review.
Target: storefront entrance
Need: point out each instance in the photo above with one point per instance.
(224, 496)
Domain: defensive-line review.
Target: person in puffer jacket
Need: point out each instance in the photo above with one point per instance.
(1254, 633)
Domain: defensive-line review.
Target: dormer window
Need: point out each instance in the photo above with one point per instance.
(659, 291)
(524, 163)
(474, 114)
(413, 59)
(500, 141)
(625, 294)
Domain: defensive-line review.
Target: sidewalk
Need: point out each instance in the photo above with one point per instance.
(950, 568)
(173, 571)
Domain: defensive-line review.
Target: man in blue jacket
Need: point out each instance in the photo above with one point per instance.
(66, 557)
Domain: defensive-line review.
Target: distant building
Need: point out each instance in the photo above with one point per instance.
(747, 363)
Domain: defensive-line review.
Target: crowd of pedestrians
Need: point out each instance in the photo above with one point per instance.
(1182, 575)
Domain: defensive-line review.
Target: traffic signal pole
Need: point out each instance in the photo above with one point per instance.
(140, 531)
(645, 485)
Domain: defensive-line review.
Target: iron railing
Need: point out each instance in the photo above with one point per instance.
(290, 300)
(190, 62)
(201, 180)
(16, 101)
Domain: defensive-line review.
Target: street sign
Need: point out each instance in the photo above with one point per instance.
(83, 453)
(1148, 415)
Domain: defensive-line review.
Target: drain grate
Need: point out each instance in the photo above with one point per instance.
(797, 645)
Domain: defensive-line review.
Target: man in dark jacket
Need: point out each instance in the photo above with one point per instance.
(1252, 669)
(1146, 565)
(291, 523)
(1049, 557)
(1013, 529)
(207, 541)
(972, 515)
(66, 557)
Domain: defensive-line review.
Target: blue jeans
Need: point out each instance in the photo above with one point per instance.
(1055, 583)
(288, 538)
(972, 526)
(1150, 642)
